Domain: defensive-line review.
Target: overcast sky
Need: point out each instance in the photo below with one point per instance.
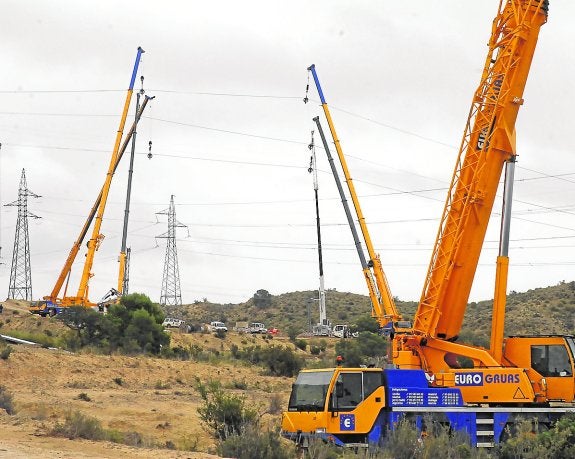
(230, 134)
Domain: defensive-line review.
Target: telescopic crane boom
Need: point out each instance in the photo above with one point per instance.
(323, 326)
(383, 305)
(124, 251)
(488, 142)
(81, 299)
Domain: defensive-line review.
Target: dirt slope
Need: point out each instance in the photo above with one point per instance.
(154, 397)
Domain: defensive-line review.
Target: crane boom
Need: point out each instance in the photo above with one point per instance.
(380, 294)
(488, 142)
(65, 272)
(97, 237)
(122, 259)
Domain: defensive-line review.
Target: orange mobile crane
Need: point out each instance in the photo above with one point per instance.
(477, 390)
(52, 304)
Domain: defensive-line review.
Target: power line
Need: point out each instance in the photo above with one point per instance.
(60, 91)
(226, 131)
(80, 115)
(162, 91)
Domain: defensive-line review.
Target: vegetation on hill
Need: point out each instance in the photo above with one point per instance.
(543, 310)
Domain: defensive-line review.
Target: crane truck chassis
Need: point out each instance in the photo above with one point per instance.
(358, 407)
(483, 392)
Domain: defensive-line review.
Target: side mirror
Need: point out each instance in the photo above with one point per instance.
(339, 389)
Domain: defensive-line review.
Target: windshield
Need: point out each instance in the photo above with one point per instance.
(309, 391)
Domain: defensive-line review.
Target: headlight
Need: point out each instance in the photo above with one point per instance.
(320, 430)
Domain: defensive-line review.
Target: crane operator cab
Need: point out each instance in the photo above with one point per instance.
(550, 363)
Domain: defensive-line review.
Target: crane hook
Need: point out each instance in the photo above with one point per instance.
(306, 99)
(150, 149)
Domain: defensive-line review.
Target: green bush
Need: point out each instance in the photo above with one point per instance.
(555, 443)
(279, 360)
(252, 443)
(292, 332)
(314, 350)
(84, 397)
(301, 344)
(5, 352)
(276, 405)
(78, 425)
(7, 401)
(221, 334)
(224, 414)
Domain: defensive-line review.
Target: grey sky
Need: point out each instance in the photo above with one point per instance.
(398, 77)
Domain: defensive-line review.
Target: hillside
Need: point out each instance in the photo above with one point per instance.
(543, 310)
(155, 400)
(152, 400)
(549, 310)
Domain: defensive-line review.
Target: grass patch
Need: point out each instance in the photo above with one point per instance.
(161, 385)
(78, 425)
(40, 338)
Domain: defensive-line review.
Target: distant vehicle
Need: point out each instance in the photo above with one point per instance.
(45, 308)
(257, 327)
(342, 331)
(273, 331)
(242, 327)
(216, 326)
(171, 322)
(321, 330)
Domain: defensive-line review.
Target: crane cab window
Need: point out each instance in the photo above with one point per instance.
(353, 388)
(551, 361)
(349, 391)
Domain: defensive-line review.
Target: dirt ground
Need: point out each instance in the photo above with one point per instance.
(154, 397)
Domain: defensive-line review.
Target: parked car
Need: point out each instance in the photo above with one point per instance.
(171, 322)
(216, 325)
(257, 327)
(273, 331)
(343, 331)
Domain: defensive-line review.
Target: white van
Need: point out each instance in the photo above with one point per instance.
(257, 327)
(215, 326)
(171, 322)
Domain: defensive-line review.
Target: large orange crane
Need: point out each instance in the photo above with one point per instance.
(481, 391)
(53, 303)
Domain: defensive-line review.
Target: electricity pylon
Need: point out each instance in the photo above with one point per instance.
(171, 292)
(20, 275)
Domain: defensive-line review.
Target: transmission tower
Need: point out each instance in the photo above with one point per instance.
(20, 276)
(171, 293)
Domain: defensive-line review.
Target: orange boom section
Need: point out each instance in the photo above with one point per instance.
(488, 142)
